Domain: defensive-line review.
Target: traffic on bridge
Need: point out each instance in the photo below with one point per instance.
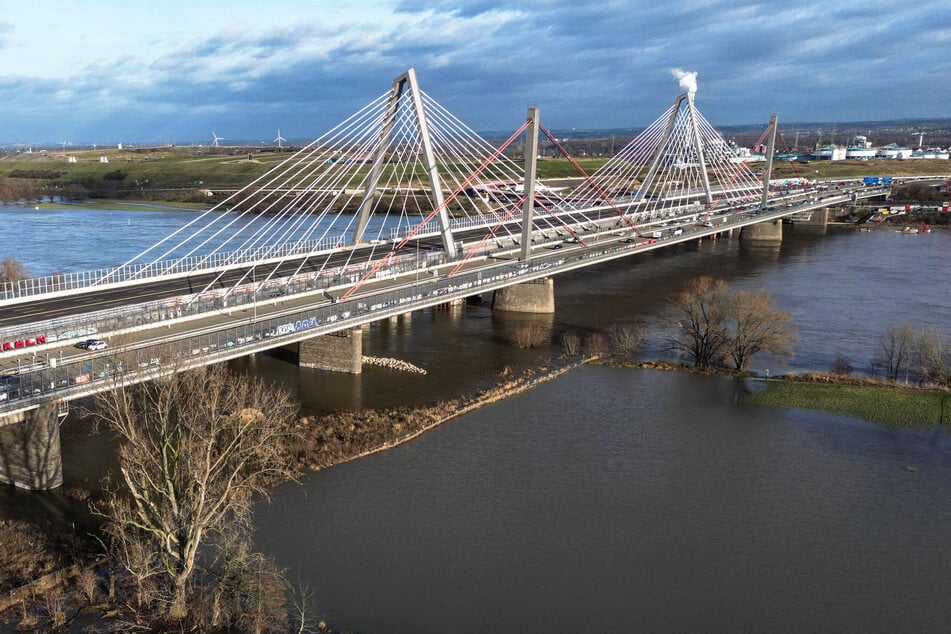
(399, 208)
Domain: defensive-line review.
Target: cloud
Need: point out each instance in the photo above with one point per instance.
(251, 69)
(5, 29)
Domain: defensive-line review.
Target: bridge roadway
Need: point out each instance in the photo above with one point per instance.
(96, 298)
(62, 371)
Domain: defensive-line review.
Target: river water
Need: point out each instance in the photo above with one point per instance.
(612, 499)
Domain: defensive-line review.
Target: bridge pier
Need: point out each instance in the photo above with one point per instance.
(337, 352)
(30, 453)
(766, 231)
(537, 296)
(819, 219)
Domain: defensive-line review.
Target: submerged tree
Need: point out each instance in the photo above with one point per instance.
(701, 312)
(896, 349)
(626, 339)
(716, 325)
(754, 325)
(194, 448)
(933, 357)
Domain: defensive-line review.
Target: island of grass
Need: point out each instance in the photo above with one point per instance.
(894, 405)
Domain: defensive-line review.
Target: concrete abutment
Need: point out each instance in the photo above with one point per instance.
(30, 453)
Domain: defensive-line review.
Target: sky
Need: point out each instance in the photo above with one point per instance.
(177, 70)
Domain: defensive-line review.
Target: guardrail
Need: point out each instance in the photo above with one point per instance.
(190, 264)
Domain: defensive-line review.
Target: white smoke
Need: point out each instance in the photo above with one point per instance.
(686, 78)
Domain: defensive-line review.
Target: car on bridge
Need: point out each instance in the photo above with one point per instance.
(92, 344)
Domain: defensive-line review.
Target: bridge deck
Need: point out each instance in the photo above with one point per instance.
(251, 323)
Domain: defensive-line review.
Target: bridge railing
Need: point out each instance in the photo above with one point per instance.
(61, 282)
(110, 320)
(189, 306)
(49, 377)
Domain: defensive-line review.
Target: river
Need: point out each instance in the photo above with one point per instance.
(612, 499)
(628, 500)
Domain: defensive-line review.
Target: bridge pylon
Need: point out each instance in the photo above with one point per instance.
(770, 150)
(405, 87)
(679, 166)
(528, 190)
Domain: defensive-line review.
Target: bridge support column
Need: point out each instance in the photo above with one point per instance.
(819, 219)
(337, 352)
(766, 231)
(537, 296)
(30, 453)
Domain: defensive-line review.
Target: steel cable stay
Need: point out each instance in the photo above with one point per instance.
(515, 207)
(383, 261)
(604, 196)
(237, 195)
(299, 210)
(311, 186)
(300, 178)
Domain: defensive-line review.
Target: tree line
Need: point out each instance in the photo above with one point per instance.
(712, 326)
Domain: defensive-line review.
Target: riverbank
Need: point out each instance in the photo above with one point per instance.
(878, 401)
(119, 205)
(883, 402)
(332, 439)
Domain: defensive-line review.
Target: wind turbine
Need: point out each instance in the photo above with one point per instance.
(279, 140)
(216, 139)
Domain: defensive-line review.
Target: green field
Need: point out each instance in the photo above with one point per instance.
(181, 173)
(892, 406)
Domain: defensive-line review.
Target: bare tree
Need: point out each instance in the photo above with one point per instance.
(250, 592)
(701, 310)
(841, 365)
(194, 448)
(626, 338)
(304, 615)
(753, 325)
(12, 270)
(932, 355)
(594, 344)
(570, 343)
(895, 350)
(529, 335)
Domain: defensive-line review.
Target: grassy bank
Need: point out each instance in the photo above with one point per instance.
(115, 205)
(891, 405)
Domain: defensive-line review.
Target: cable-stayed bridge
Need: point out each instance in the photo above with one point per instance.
(398, 208)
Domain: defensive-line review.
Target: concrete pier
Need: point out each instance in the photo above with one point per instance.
(766, 231)
(537, 296)
(30, 454)
(819, 219)
(338, 352)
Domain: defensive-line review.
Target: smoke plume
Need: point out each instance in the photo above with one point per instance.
(686, 79)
